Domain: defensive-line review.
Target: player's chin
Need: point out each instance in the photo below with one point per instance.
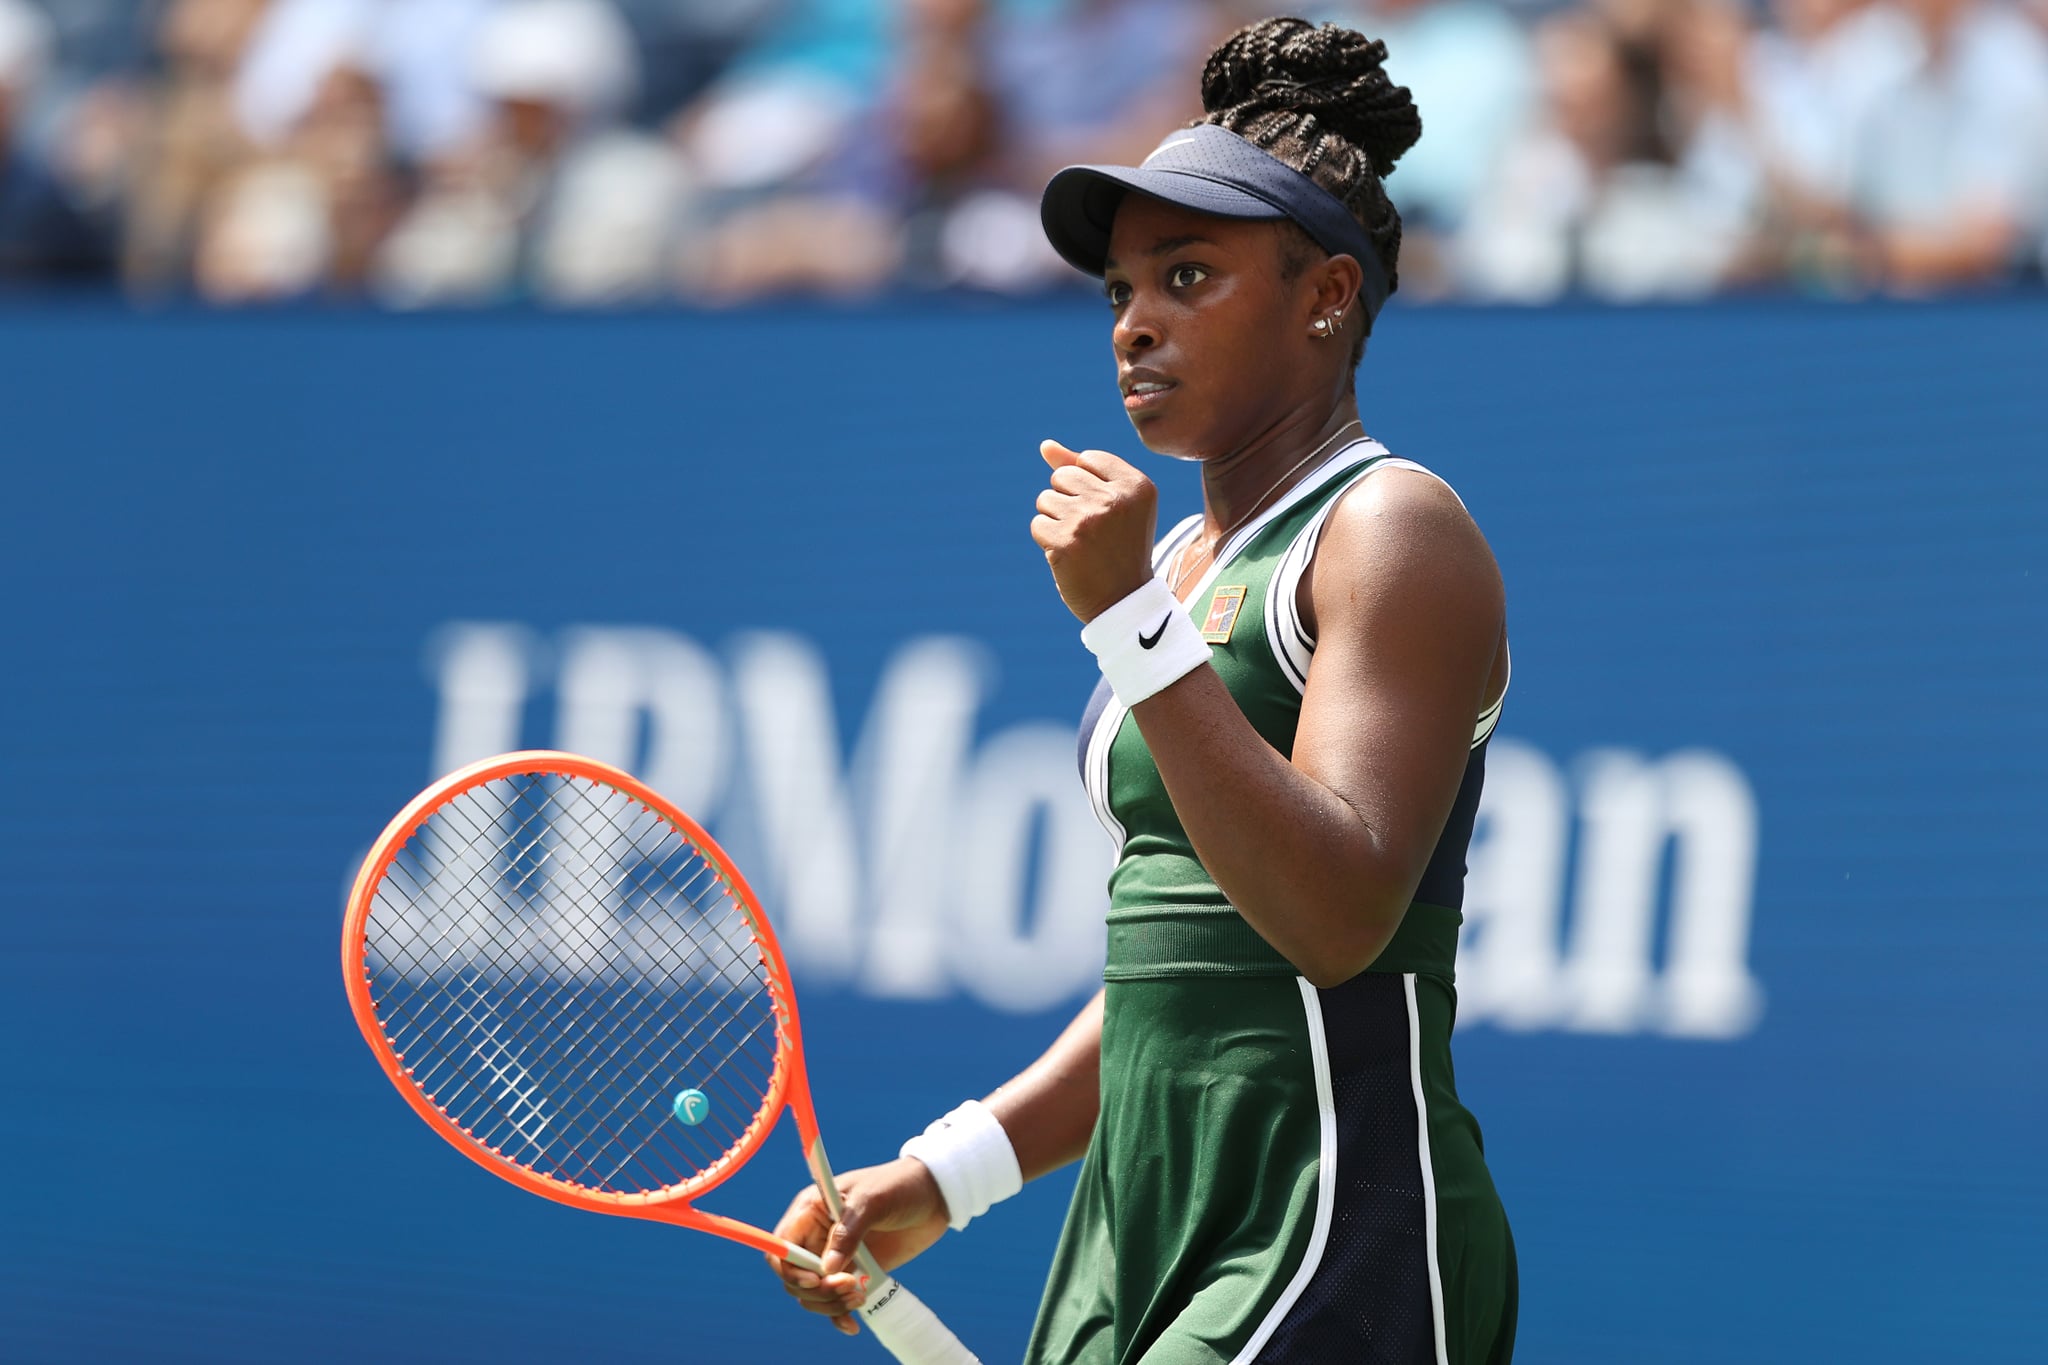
(1166, 433)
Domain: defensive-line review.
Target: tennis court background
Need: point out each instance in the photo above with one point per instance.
(249, 559)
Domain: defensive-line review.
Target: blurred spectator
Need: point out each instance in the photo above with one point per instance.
(308, 212)
(189, 143)
(263, 236)
(1470, 67)
(1948, 162)
(1709, 110)
(1814, 75)
(1811, 79)
(1642, 178)
(790, 100)
(602, 152)
(919, 192)
(686, 44)
(43, 233)
(823, 209)
(415, 51)
(1097, 80)
(555, 194)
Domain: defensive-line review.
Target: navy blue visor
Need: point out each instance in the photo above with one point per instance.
(1210, 170)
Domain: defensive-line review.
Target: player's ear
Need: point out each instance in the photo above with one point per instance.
(1337, 280)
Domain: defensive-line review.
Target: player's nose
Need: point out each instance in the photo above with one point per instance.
(1136, 330)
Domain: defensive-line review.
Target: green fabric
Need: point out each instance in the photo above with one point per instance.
(1197, 1198)
(1162, 900)
(1151, 942)
(1196, 1202)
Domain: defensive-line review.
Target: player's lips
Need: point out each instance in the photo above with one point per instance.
(1143, 388)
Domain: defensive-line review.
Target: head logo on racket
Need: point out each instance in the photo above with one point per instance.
(691, 1107)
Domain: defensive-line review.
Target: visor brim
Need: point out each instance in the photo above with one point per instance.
(1080, 203)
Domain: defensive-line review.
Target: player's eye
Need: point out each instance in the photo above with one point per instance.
(1117, 292)
(1187, 276)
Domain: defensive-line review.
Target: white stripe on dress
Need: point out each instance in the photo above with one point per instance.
(1095, 768)
(1287, 635)
(1326, 1181)
(1096, 776)
(1436, 1283)
(1243, 535)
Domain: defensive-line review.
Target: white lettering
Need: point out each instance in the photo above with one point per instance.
(612, 678)
(1025, 775)
(807, 866)
(1621, 811)
(1519, 968)
(1708, 989)
(929, 865)
(484, 670)
(913, 751)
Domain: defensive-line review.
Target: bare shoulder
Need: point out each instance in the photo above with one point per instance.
(1401, 539)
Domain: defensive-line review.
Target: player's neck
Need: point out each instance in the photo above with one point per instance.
(1238, 486)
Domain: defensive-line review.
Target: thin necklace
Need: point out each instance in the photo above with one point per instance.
(1178, 578)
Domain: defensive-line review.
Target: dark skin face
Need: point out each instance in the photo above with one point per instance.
(1207, 306)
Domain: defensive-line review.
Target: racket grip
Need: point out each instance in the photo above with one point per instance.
(911, 1331)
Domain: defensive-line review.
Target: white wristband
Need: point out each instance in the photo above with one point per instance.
(971, 1158)
(1145, 643)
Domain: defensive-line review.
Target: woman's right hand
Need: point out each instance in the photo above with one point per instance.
(895, 1209)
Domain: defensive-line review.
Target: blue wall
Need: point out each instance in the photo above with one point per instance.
(1773, 587)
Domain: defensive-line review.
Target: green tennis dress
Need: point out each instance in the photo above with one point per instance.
(1279, 1173)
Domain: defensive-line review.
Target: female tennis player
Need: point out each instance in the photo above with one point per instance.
(1299, 684)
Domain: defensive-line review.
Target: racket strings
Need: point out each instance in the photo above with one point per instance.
(631, 1035)
(553, 962)
(620, 1038)
(696, 999)
(610, 1042)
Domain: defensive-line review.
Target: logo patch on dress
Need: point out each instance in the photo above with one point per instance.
(1223, 609)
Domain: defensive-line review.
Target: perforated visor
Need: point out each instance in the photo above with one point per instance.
(1080, 206)
(1210, 170)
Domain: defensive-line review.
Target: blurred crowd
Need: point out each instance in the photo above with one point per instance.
(417, 153)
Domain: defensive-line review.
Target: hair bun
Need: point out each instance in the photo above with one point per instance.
(1336, 74)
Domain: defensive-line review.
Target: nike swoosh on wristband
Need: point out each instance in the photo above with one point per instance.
(1147, 641)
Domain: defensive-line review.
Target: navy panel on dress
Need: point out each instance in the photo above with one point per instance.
(1367, 1301)
(1443, 881)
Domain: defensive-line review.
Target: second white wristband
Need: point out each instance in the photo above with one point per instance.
(1145, 643)
(971, 1158)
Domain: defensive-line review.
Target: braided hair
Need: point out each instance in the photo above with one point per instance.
(1319, 99)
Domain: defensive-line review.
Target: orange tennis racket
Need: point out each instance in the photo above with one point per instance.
(569, 981)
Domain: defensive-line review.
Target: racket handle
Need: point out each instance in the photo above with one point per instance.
(911, 1331)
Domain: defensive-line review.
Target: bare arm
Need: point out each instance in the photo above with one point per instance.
(1048, 1110)
(1323, 853)
(1320, 852)
(1973, 246)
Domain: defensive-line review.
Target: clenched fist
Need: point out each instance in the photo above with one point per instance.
(1095, 524)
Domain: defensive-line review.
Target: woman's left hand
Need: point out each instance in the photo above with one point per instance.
(1095, 524)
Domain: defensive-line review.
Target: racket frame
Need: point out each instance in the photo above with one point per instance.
(788, 1085)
